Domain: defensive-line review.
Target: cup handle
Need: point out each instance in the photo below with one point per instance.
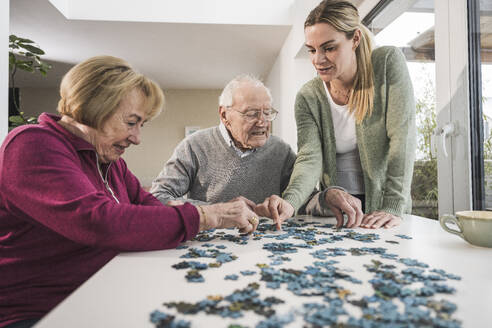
(451, 218)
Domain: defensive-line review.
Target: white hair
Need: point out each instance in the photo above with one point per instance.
(227, 94)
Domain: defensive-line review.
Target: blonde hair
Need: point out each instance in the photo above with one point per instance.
(344, 17)
(92, 90)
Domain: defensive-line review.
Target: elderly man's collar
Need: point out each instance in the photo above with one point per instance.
(227, 137)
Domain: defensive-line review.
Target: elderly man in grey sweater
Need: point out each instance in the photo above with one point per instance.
(237, 158)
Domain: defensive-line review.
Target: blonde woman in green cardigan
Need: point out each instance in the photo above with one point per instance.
(355, 127)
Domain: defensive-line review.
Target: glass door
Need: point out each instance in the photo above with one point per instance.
(483, 16)
(448, 46)
(395, 23)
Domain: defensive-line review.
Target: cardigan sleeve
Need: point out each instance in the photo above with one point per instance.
(401, 132)
(308, 165)
(41, 181)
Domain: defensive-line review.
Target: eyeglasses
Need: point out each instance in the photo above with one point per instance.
(254, 114)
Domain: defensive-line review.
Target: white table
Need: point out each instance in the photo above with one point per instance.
(132, 285)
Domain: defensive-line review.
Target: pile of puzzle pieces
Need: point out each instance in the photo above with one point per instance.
(407, 297)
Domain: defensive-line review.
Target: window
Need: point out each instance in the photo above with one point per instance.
(483, 37)
(393, 23)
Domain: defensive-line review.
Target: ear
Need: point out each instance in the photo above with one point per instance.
(222, 115)
(356, 39)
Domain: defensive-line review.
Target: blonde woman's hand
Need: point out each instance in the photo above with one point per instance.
(378, 219)
(275, 208)
(233, 214)
(341, 202)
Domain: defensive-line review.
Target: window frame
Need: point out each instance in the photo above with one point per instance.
(476, 110)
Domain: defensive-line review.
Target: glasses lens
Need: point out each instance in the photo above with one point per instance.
(251, 115)
(268, 114)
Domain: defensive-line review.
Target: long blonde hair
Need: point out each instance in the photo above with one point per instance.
(344, 17)
(92, 90)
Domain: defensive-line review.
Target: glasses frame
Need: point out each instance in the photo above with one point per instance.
(257, 116)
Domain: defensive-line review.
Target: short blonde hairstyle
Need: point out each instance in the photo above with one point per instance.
(344, 17)
(92, 90)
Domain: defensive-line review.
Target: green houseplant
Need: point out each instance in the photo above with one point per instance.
(424, 182)
(24, 55)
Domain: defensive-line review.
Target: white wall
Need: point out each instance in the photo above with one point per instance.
(4, 69)
(289, 72)
(161, 136)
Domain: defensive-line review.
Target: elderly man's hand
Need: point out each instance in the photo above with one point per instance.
(275, 208)
(378, 219)
(234, 214)
(248, 202)
(341, 202)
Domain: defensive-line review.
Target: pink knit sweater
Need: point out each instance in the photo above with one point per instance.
(59, 224)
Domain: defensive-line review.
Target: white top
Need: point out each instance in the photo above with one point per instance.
(349, 169)
(344, 125)
(127, 289)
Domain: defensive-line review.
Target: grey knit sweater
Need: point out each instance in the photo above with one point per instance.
(386, 139)
(204, 167)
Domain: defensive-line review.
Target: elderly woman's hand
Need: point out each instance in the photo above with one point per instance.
(234, 214)
(378, 219)
(275, 208)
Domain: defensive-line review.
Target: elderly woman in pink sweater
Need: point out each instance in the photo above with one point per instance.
(69, 203)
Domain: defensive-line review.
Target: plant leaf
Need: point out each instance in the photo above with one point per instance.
(32, 49)
(25, 67)
(27, 62)
(22, 40)
(45, 66)
(16, 119)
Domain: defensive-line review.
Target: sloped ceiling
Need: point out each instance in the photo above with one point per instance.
(179, 52)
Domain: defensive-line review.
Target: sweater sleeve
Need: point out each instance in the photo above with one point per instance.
(177, 176)
(401, 131)
(41, 181)
(308, 165)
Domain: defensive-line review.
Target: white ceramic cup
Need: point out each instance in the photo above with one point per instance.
(474, 226)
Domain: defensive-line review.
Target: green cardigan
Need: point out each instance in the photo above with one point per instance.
(386, 139)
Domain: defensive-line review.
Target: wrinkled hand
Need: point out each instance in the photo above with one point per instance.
(378, 219)
(248, 202)
(275, 208)
(341, 202)
(174, 203)
(234, 214)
